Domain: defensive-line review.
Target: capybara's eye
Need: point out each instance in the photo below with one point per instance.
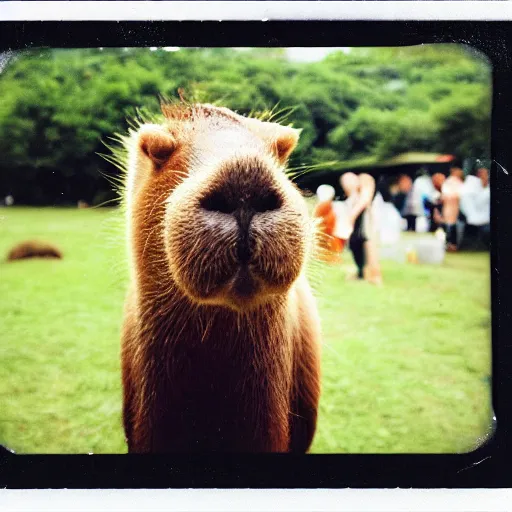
(217, 202)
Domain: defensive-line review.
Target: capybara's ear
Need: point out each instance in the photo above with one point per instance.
(156, 143)
(282, 139)
(285, 142)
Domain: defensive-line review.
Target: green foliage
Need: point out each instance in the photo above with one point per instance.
(57, 106)
(465, 124)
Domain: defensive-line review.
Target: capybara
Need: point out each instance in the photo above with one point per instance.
(33, 249)
(221, 335)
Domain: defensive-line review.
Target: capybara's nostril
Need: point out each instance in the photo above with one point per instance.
(266, 201)
(258, 202)
(218, 202)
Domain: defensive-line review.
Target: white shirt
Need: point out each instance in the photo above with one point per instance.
(452, 187)
(343, 229)
(422, 187)
(475, 201)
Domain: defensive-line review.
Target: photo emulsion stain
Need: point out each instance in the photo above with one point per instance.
(245, 250)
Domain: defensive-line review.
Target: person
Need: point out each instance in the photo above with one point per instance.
(330, 245)
(422, 190)
(450, 197)
(404, 183)
(360, 192)
(475, 203)
(434, 203)
(399, 190)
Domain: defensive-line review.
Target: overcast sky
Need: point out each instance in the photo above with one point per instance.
(311, 54)
(307, 54)
(294, 54)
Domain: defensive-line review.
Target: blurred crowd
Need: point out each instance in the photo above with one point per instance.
(459, 204)
(368, 213)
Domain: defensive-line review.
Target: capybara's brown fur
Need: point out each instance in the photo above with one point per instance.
(33, 249)
(220, 342)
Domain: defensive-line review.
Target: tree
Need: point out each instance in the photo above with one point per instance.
(58, 107)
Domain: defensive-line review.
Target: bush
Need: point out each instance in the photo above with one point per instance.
(59, 105)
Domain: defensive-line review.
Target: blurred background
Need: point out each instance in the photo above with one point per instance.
(406, 366)
(59, 105)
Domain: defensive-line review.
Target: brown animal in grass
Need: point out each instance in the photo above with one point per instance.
(220, 343)
(33, 249)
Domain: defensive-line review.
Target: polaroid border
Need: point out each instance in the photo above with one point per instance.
(486, 467)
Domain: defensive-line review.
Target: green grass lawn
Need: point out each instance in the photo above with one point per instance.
(405, 367)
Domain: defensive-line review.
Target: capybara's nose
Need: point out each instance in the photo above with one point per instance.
(230, 202)
(243, 204)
